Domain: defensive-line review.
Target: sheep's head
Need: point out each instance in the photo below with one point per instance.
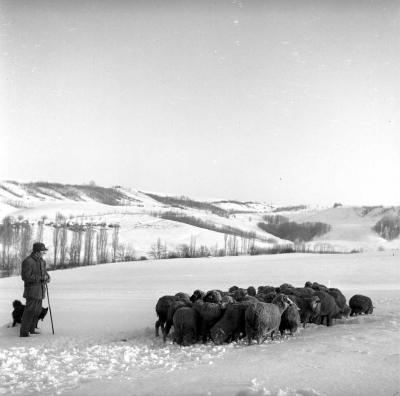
(213, 296)
(197, 295)
(240, 294)
(315, 304)
(217, 335)
(281, 301)
(292, 303)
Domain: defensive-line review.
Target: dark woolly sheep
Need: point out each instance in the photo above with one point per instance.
(197, 295)
(360, 304)
(319, 287)
(260, 297)
(232, 289)
(162, 307)
(329, 308)
(264, 318)
(209, 314)
(303, 291)
(309, 307)
(213, 296)
(270, 296)
(251, 291)
(185, 322)
(290, 320)
(239, 294)
(174, 306)
(339, 298)
(250, 299)
(285, 288)
(346, 311)
(232, 324)
(182, 296)
(265, 289)
(308, 284)
(227, 299)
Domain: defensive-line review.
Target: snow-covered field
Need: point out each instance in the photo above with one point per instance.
(104, 340)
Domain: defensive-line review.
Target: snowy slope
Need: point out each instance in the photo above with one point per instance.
(136, 212)
(96, 308)
(351, 227)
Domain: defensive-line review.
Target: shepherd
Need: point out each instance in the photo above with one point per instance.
(35, 277)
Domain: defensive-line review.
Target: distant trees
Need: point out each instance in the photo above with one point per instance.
(73, 244)
(15, 239)
(291, 230)
(388, 227)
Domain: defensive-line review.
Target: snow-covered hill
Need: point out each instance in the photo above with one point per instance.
(142, 217)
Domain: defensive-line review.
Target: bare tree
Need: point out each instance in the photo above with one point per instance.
(76, 244)
(7, 243)
(63, 243)
(192, 249)
(101, 245)
(115, 241)
(40, 229)
(26, 239)
(89, 244)
(60, 219)
(158, 250)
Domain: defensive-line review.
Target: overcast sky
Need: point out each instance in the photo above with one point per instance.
(286, 102)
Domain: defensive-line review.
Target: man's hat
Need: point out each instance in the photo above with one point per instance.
(39, 247)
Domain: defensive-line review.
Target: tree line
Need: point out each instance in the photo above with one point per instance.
(281, 227)
(388, 227)
(74, 244)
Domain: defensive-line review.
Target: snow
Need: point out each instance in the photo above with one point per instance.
(104, 332)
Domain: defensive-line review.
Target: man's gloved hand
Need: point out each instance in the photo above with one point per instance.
(46, 278)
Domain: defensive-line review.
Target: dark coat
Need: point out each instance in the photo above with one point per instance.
(34, 275)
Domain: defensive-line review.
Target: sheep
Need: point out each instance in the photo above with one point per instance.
(329, 309)
(197, 295)
(182, 296)
(162, 307)
(174, 306)
(265, 289)
(339, 298)
(309, 307)
(226, 299)
(231, 325)
(264, 318)
(213, 296)
(209, 314)
(185, 322)
(302, 291)
(290, 320)
(260, 297)
(270, 296)
(239, 294)
(285, 288)
(251, 291)
(319, 287)
(360, 304)
(232, 289)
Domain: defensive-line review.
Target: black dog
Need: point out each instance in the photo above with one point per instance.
(19, 310)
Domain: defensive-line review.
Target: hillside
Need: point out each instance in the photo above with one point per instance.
(180, 225)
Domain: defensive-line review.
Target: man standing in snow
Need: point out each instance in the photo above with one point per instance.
(35, 277)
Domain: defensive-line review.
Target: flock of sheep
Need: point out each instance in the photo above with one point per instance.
(226, 316)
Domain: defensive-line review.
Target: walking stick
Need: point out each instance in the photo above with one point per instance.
(48, 301)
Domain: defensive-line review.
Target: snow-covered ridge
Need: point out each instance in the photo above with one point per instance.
(143, 217)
